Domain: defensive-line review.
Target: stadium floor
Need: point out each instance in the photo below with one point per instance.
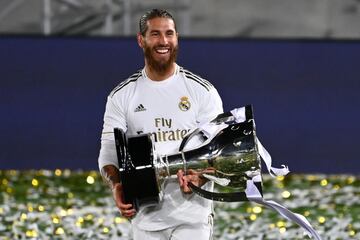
(65, 204)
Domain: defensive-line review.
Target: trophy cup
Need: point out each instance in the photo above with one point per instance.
(228, 156)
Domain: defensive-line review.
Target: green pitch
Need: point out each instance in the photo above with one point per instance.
(64, 204)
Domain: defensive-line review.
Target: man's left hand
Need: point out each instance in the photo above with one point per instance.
(192, 176)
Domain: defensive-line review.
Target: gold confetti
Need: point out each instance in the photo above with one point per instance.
(30, 208)
(23, 216)
(252, 217)
(311, 178)
(5, 182)
(119, 220)
(59, 231)
(70, 211)
(280, 178)
(90, 180)
(89, 217)
(285, 194)
(324, 182)
(80, 220)
(100, 220)
(321, 219)
(350, 180)
(58, 172)
(257, 209)
(35, 182)
(31, 233)
(280, 224)
(63, 213)
(56, 220)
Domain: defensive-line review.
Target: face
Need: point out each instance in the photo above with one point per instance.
(160, 44)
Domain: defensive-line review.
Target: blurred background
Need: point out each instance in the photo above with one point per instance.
(296, 61)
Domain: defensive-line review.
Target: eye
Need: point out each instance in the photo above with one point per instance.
(154, 33)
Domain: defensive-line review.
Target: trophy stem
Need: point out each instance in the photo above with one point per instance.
(168, 165)
(185, 160)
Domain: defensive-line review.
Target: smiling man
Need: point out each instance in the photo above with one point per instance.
(165, 101)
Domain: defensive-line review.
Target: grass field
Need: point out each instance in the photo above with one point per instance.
(64, 204)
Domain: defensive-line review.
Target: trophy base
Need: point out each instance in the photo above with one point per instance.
(137, 174)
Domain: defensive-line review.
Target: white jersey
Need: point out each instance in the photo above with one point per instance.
(168, 110)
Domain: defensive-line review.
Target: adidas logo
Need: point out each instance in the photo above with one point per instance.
(140, 108)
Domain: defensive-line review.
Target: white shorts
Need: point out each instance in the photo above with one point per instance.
(200, 231)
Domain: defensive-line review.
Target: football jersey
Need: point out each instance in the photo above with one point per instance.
(167, 110)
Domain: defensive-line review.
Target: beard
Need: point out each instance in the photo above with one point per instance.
(160, 66)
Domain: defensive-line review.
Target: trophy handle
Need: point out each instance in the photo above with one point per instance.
(187, 138)
(222, 197)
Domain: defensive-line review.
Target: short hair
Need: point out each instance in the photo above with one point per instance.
(154, 13)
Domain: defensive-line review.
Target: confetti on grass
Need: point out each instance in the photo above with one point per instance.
(65, 204)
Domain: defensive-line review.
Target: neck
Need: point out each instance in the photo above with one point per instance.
(159, 76)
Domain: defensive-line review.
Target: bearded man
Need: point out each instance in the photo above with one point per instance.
(166, 101)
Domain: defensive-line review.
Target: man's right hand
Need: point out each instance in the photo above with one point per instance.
(126, 210)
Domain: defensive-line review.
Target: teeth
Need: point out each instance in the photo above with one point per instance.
(162, 50)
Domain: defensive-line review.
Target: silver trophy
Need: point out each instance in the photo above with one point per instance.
(227, 155)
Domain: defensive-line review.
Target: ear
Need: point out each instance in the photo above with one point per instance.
(140, 40)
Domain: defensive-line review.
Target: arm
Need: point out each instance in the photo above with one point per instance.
(111, 176)
(210, 106)
(108, 165)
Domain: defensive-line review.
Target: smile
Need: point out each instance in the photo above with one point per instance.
(162, 50)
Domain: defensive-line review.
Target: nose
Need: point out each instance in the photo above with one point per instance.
(163, 40)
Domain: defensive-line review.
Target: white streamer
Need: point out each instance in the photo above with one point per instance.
(221, 181)
(240, 116)
(253, 194)
(268, 162)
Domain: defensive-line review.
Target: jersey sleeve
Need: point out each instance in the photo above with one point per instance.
(114, 117)
(210, 106)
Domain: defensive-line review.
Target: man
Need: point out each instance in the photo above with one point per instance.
(167, 101)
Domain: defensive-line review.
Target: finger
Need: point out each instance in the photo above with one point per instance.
(127, 215)
(128, 212)
(180, 175)
(125, 206)
(186, 188)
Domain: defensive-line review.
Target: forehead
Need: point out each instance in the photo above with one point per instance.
(161, 24)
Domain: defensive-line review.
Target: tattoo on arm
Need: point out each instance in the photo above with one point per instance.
(111, 175)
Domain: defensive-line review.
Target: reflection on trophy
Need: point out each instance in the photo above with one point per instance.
(227, 155)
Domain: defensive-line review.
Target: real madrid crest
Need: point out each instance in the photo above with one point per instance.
(184, 104)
